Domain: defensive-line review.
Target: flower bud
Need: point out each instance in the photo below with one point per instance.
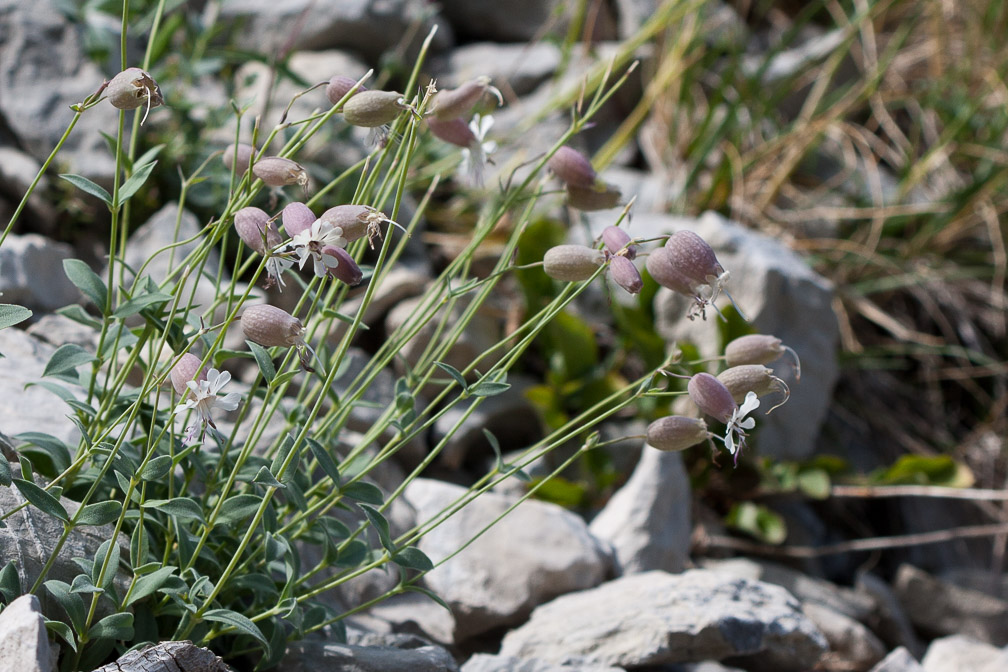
(625, 274)
(572, 262)
(133, 88)
(455, 131)
(347, 269)
(572, 167)
(297, 217)
(269, 326)
(276, 171)
(238, 157)
(676, 432)
(588, 199)
(186, 369)
(373, 108)
(711, 396)
(759, 349)
(693, 257)
(451, 103)
(340, 86)
(617, 241)
(659, 264)
(255, 229)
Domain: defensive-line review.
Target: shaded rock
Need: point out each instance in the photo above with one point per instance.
(960, 653)
(722, 25)
(316, 656)
(889, 621)
(655, 618)
(57, 330)
(369, 28)
(400, 283)
(17, 171)
(485, 662)
(648, 520)
(417, 614)
(941, 608)
(44, 70)
(515, 21)
(852, 645)
(34, 408)
(536, 552)
(24, 644)
(168, 657)
(515, 69)
(31, 272)
(899, 660)
(781, 296)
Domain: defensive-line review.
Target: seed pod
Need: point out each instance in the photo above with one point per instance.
(133, 88)
(373, 108)
(356, 221)
(280, 172)
(451, 103)
(693, 257)
(759, 349)
(676, 432)
(711, 396)
(588, 199)
(347, 270)
(269, 326)
(750, 378)
(625, 274)
(617, 241)
(454, 131)
(662, 269)
(243, 154)
(297, 217)
(572, 262)
(253, 226)
(340, 86)
(186, 369)
(572, 168)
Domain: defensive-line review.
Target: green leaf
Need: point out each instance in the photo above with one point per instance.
(453, 372)
(135, 181)
(264, 361)
(10, 584)
(222, 356)
(352, 554)
(488, 388)
(148, 584)
(430, 594)
(83, 585)
(99, 513)
(46, 446)
(325, 460)
(285, 452)
(86, 185)
(759, 521)
(138, 303)
(87, 281)
(413, 558)
(76, 312)
(41, 499)
(113, 626)
(283, 378)
(266, 477)
(381, 526)
(239, 622)
(72, 603)
(5, 472)
(156, 469)
(183, 508)
(64, 631)
(238, 509)
(66, 359)
(11, 314)
(814, 483)
(365, 492)
(113, 552)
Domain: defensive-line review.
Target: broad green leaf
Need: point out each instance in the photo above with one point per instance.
(325, 460)
(183, 508)
(64, 631)
(239, 622)
(86, 185)
(759, 521)
(113, 552)
(266, 477)
(283, 378)
(87, 281)
(11, 314)
(6, 475)
(286, 451)
(138, 303)
(135, 181)
(72, 603)
(264, 361)
(41, 499)
(413, 558)
(352, 554)
(51, 448)
(814, 483)
(238, 509)
(10, 584)
(76, 312)
(66, 359)
(430, 594)
(156, 469)
(148, 584)
(453, 372)
(381, 525)
(488, 388)
(99, 513)
(113, 626)
(365, 492)
(83, 585)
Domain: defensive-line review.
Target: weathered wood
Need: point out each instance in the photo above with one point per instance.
(168, 657)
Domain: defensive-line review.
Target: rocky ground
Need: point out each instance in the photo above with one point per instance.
(634, 587)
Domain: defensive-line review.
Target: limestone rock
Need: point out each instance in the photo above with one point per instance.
(852, 645)
(31, 272)
(24, 645)
(961, 653)
(899, 660)
(937, 607)
(515, 69)
(655, 618)
(485, 662)
(317, 656)
(648, 520)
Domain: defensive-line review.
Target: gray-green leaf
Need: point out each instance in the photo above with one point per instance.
(41, 499)
(11, 314)
(86, 185)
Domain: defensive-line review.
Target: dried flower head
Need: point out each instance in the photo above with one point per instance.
(277, 171)
(759, 349)
(676, 432)
(572, 168)
(339, 86)
(713, 398)
(187, 368)
(572, 263)
(625, 274)
(133, 88)
(270, 326)
(452, 103)
(602, 196)
(357, 221)
(618, 242)
(204, 397)
(745, 378)
(238, 157)
(296, 218)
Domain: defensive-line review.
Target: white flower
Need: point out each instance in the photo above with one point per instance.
(739, 423)
(475, 156)
(275, 266)
(311, 244)
(204, 398)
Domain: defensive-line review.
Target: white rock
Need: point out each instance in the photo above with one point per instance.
(852, 645)
(485, 662)
(959, 653)
(899, 660)
(513, 68)
(648, 520)
(31, 272)
(310, 656)
(24, 645)
(937, 607)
